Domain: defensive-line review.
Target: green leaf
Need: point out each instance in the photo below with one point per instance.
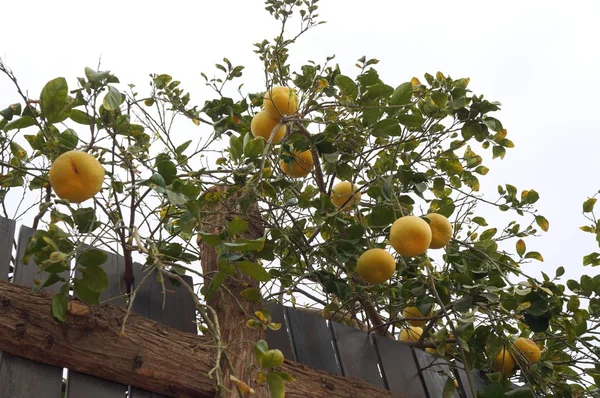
(92, 258)
(470, 129)
(254, 147)
(401, 94)
(438, 187)
(542, 222)
(488, 234)
(276, 385)
(252, 294)
(498, 152)
(347, 86)
(85, 219)
(210, 239)
(80, 117)
(493, 390)
(167, 170)
(440, 99)
(94, 278)
(379, 90)
(235, 147)
(560, 271)
(588, 205)
(237, 226)
(59, 307)
(214, 285)
(95, 76)
(54, 99)
(493, 124)
(156, 182)
(21, 123)
(113, 99)
(521, 247)
(535, 256)
(411, 120)
(538, 304)
(573, 303)
(68, 140)
(254, 270)
(387, 127)
(85, 293)
(479, 221)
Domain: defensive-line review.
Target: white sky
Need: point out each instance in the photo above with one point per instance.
(540, 59)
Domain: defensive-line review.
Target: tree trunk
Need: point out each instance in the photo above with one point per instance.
(151, 356)
(231, 308)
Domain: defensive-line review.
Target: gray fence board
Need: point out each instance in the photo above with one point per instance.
(357, 354)
(399, 368)
(178, 312)
(20, 377)
(434, 371)
(80, 385)
(7, 230)
(280, 339)
(312, 339)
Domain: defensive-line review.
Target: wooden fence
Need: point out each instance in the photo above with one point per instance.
(306, 338)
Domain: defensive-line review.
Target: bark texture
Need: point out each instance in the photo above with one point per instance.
(231, 308)
(151, 356)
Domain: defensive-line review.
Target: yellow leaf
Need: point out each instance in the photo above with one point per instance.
(323, 84)
(261, 378)
(243, 387)
(415, 82)
(196, 121)
(260, 316)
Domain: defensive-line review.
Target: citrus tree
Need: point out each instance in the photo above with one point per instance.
(338, 191)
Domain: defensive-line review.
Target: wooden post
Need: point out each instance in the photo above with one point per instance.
(231, 308)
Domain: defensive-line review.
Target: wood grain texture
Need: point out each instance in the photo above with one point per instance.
(20, 377)
(151, 356)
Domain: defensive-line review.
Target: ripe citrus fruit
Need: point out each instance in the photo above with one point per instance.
(413, 312)
(376, 266)
(299, 166)
(504, 362)
(341, 194)
(410, 236)
(441, 230)
(280, 101)
(76, 176)
(530, 350)
(262, 125)
(413, 333)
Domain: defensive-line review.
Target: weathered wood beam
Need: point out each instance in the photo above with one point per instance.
(150, 356)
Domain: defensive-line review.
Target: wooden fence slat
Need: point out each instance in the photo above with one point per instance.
(7, 231)
(280, 339)
(313, 342)
(434, 372)
(478, 377)
(20, 377)
(179, 311)
(357, 354)
(80, 385)
(399, 368)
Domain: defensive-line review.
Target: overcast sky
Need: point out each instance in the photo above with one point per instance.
(540, 59)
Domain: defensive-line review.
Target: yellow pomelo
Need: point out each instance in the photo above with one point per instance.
(441, 230)
(413, 312)
(342, 192)
(504, 363)
(376, 266)
(413, 333)
(410, 236)
(280, 101)
(529, 348)
(262, 125)
(76, 176)
(300, 166)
